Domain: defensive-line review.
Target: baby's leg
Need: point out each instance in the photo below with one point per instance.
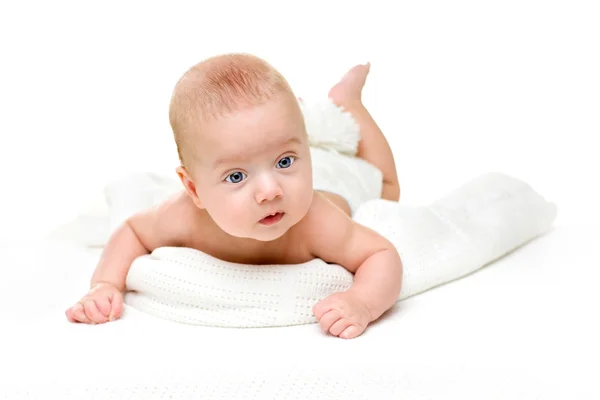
(373, 147)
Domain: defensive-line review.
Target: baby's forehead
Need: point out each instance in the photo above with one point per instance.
(270, 119)
(251, 133)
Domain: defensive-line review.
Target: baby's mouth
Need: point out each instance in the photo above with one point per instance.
(272, 218)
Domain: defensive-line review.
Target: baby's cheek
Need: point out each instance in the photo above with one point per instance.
(301, 192)
(216, 204)
(233, 208)
(229, 220)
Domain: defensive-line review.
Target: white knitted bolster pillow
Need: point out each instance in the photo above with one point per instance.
(476, 224)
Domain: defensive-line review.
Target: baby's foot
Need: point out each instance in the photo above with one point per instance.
(349, 89)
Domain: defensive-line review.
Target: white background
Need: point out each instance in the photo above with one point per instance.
(459, 88)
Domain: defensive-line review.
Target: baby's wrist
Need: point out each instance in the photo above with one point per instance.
(375, 303)
(370, 307)
(97, 284)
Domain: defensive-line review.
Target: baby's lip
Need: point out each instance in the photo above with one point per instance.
(267, 220)
(271, 214)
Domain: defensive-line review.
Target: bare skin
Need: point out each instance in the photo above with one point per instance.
(326, 231)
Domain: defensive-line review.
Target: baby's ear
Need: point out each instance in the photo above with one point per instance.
(189, 185)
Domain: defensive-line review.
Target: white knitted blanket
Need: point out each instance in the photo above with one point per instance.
(462, 232)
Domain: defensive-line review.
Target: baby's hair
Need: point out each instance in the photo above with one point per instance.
(217, 86)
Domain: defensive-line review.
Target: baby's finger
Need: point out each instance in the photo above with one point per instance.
(103, 304)
(351, 332)
(329, 319)
(339, 326)
(69, 314)
(92, 312)
(116, 306)
(79, 314)
(321, 308)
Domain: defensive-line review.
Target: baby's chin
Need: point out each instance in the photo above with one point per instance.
(265, 236)
(264, 233)
(269, 234)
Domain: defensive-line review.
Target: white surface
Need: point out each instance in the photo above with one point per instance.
(521, 328)
(460, 88)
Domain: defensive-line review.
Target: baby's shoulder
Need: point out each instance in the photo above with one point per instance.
(179, 206)
(324, 217)
(323, 209)
(171, 222)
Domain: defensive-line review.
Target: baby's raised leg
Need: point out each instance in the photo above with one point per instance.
(373, 146)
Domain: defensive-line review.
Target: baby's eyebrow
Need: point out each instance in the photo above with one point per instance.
(230, 159)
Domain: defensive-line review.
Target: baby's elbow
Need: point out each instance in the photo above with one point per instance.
(396, 260)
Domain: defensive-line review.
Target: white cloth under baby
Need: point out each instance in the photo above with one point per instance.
(456, 235)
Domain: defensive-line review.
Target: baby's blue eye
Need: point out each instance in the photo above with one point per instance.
(285, 162)
(236, 177)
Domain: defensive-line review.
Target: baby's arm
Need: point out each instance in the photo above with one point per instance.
(377, 266)
(164, 225)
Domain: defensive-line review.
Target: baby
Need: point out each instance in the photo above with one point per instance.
(248, 198)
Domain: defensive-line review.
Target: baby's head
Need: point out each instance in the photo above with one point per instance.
(243, 145)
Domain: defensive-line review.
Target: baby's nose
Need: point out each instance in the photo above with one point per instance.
(268, 190)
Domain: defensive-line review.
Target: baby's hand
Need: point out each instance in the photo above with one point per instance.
(103, 303)
(342, 314)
